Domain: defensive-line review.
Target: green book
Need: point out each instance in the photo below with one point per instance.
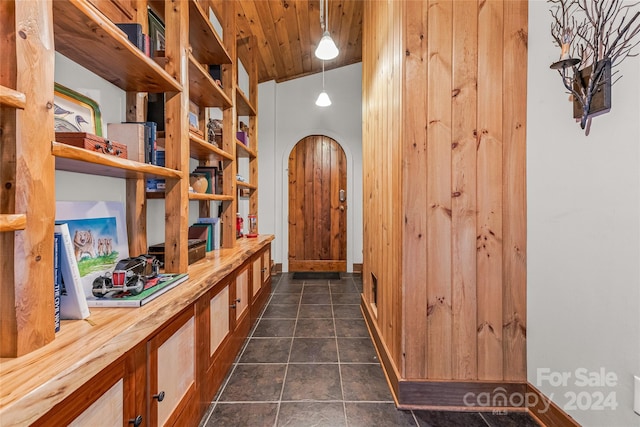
(153, 289)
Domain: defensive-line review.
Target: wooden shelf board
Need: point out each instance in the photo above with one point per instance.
(209, 197)
(87, 37)
(12, 222)
(203, 38)
(76, 159)
(244, 151)
(243, 105)
(241, 184)
(12, 98)
(203, 90)
(203, 150)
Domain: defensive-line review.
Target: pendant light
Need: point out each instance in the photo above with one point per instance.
(326, 49)
(323, 99)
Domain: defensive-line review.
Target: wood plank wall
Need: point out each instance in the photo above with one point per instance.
(382, 165)
(444, 133)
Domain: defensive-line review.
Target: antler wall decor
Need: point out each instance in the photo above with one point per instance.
(594, 37)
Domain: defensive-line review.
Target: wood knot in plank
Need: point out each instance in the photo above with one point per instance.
(486, 325)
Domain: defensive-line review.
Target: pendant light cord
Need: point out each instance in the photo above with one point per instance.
(323, 75)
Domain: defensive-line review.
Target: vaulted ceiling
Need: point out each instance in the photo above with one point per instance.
(288, 32)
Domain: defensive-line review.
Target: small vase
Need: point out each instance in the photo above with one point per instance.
(198, 182)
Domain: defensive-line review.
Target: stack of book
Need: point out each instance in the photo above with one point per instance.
(207, 229)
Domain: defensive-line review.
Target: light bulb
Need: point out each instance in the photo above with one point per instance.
(326, 49)
(323, 100)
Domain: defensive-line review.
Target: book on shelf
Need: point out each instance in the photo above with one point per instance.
(151, 141)
(195, 230)
(73, 304)
(154, 287)
(57, 280)
(133, 136)
(216, 228)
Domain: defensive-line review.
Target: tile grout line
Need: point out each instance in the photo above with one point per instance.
(335, 334)
(286, 369)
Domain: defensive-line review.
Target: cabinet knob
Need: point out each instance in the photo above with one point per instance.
(264, 269)
(238, 300)
(136, 421)
(232, 306)
(159, 396)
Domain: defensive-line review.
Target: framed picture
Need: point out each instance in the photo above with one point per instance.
(99, 233)
(156, 32)
(74, 112)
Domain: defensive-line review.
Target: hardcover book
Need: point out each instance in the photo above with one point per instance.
(73, 304)
(57, 280)
(152, 290)
(132, 135)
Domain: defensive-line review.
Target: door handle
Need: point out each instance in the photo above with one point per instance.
(342, 196)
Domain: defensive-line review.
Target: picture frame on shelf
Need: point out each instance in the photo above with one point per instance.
(95, 222)
(75, 112)
(156, 32)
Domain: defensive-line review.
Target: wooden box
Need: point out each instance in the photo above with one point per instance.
(197, 250)
(92, 142)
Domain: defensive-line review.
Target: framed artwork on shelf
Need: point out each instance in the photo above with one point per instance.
(99, 233)
(156, 32)
(75, 112)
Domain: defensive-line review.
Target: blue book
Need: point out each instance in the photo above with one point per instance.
(57, 279)
(151, 142)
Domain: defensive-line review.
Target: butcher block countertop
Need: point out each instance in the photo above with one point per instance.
(32, 384)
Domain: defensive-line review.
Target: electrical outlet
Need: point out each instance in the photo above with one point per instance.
(636, 394)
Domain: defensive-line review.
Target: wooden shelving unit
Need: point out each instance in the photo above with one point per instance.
(244, 106)
(202, 89)
(87, 37)
(207, 46)
(74, 159)
(12, 222)
(210, 197)
(12, 98)
(244, 151)
(114, 348)
(242, 184)
(78, 30)
(200, 149)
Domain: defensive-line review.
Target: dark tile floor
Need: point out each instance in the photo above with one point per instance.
(309, 361)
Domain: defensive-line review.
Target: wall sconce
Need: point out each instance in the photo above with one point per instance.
(594, 36)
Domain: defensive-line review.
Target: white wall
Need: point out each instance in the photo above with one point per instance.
(583, 236)
(287, 113)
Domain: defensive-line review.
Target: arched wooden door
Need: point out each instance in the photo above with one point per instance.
(317, 205)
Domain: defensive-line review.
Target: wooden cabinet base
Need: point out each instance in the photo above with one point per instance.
(132, 349)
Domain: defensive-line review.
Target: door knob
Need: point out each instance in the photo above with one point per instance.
(342, 208)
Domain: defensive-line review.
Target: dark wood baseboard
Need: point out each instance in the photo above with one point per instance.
(546, 412)
(462, 395)
(277, 268)
(357, 268)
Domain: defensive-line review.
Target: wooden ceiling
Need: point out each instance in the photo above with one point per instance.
(288, 32)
